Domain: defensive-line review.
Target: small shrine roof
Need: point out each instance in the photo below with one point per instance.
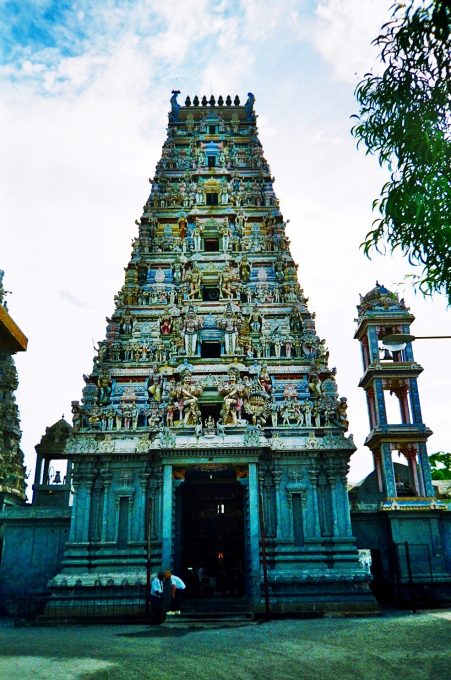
(11, 337)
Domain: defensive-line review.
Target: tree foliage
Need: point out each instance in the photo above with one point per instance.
(440, 465)
(405, 119)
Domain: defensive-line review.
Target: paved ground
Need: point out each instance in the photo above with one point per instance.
(397, 646)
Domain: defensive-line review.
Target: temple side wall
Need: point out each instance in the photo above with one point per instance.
(33, 548)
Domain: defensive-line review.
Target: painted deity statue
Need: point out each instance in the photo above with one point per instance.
(187, 400)
(191, 325)
(229, 326)
(234, 392)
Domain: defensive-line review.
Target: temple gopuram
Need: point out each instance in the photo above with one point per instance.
(210, 438)
(12, 468)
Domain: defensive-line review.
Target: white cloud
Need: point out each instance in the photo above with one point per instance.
(343, 32)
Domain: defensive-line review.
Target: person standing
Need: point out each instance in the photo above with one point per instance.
(177, 587)
(156, 595)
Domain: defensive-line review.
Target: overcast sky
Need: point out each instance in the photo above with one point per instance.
(83, 113)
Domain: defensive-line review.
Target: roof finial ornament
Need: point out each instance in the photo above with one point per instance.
(175, 106)
(249, 106)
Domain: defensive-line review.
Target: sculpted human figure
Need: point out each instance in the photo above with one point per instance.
(226, 234)
(315, 385)
(104, 383)
(175, 106)
(229, 325)
(194, 279)
(134, 414)
(249, 107)
(118, 416)
(245, 270)
(154, 388)
(189, 396)
(274, 413)
(232, 392)
(279, 269)
(197, 237)
(166, 325)
(77, 413)
(191, 326)
(225, 283)
(316, 413)
(255, 321)
(342, 416)
(308, 413)
(127, 322)
(323, 354)
(240, 222)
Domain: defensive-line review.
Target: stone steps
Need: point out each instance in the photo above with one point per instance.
(209, 619)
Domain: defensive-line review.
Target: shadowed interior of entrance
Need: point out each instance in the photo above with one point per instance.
(210, 533)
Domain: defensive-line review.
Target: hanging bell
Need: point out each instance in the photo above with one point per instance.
(57, 479)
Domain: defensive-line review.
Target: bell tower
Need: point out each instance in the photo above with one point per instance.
(390, 384)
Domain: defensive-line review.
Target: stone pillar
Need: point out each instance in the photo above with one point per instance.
(143, 477)
(381, 412)
(75, 519)
(167, 517)
(277, 475)
(378, 469)
(107, 478)
(254, 531)
(341, 472)
(331, 478)
(313, 475)
(38, 470)
(415, 407)
(387, 467)
(411, 457)
(155, 488)
(425, 470)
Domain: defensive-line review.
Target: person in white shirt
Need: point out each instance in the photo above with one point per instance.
(177, 586)
(156, 594)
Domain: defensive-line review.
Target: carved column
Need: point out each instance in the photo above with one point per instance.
(143, 478)
(107, 478)
(254, 531)
(313, 475)
(331, 478)
(277, 476)
(378, 469)
(167, 516)
(341, 472)
(387, 466)
(75, 518)
(425, 470)
(155, 493)
(410, 455)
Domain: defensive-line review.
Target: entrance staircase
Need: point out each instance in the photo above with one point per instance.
(211, 613)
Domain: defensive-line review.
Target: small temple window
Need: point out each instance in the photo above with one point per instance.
(211, 245)
(212, 129)
(212, 199)
(210, 350)
(210, 294)
(211, 161)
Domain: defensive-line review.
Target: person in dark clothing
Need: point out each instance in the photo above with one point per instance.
(156, 598)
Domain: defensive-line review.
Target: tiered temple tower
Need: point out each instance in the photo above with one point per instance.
(210, 437)
(12, 469)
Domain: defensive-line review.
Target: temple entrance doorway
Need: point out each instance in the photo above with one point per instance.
(210, 533)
